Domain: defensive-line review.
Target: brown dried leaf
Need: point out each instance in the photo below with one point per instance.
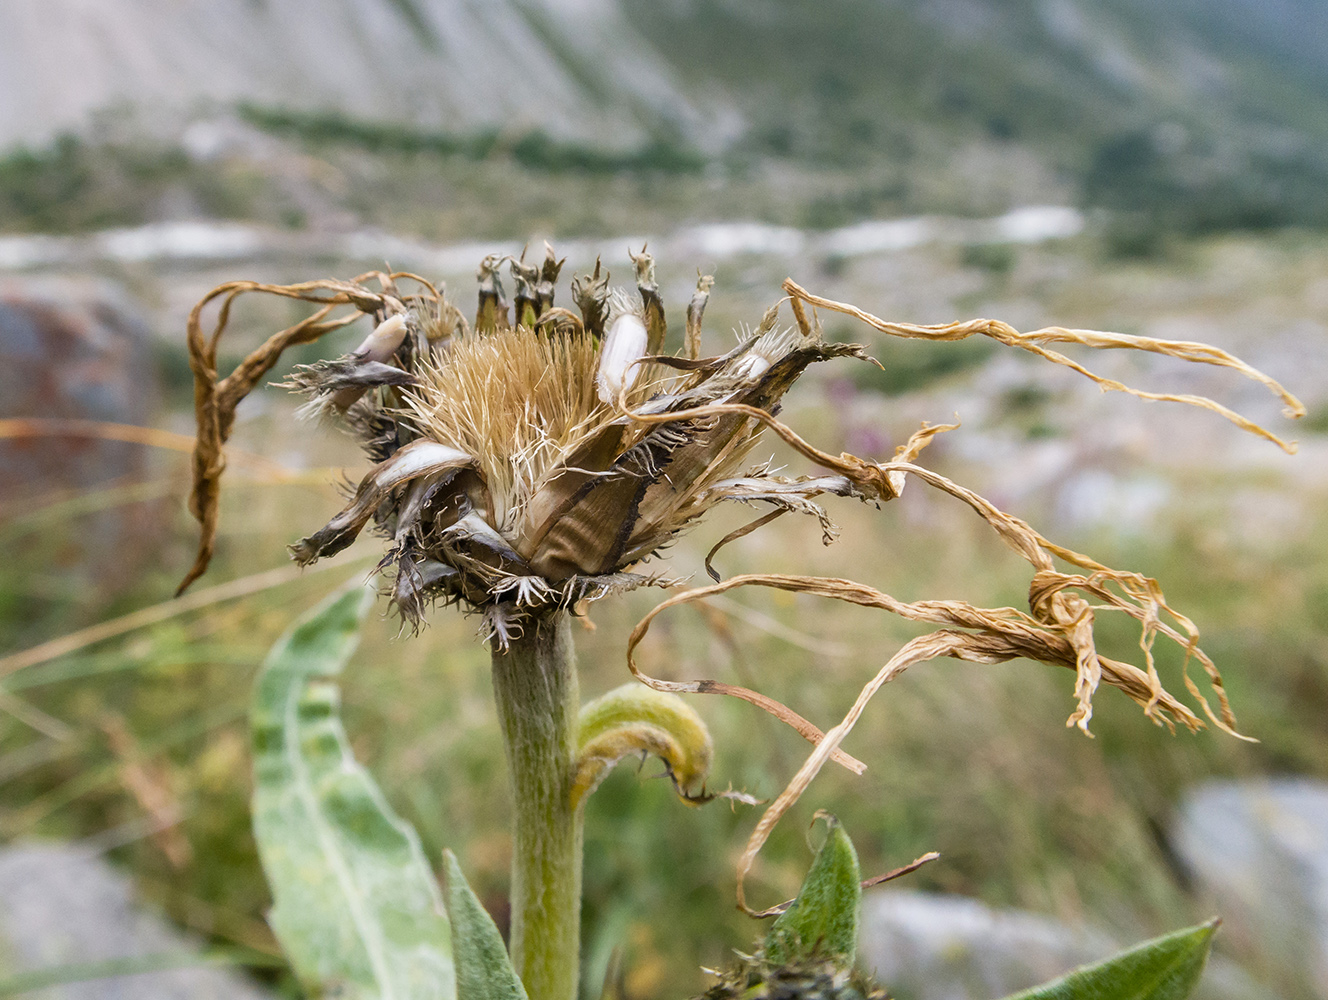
(1006, 334)
(215, 399)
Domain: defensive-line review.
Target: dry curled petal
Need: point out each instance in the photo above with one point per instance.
(1058, 627)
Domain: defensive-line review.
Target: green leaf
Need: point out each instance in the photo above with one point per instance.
(1165, 968)
(823, 920)
(483, 970)
(356, 907)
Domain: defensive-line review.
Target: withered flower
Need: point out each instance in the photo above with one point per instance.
(535, 461)
(512, 471)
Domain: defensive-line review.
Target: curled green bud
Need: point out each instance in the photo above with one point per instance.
(634, 720)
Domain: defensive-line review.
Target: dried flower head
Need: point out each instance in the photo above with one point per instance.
(536, 461)
(512, 469)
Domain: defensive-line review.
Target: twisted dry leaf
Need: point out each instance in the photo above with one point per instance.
(1058, 629)
(215, 399)
(1004, 333)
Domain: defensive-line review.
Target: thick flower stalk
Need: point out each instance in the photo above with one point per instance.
(536, 460)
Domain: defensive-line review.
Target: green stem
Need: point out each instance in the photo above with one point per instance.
(535, 686)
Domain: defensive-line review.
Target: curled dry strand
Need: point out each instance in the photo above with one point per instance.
(215, 399)
(1032, 342)
(1059, 629)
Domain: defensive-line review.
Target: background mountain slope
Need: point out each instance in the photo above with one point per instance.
(1198, 115)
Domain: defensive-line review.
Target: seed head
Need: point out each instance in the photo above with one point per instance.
(512, 470)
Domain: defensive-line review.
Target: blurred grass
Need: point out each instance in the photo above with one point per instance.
(74, 185)
(972, 761)
(534, 150)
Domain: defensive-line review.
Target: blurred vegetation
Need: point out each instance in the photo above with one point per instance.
(74, 186)
(859, 83)
(853, 110)
(533, 150)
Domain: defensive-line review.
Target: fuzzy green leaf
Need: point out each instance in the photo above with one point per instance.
(483, 970)
(356, 907)
(633, 720)
(1165, 968)
(823, 920)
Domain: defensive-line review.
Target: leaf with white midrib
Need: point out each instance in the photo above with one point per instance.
(356, 907)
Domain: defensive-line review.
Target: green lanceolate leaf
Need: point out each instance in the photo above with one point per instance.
(356, 907)
(483, 970)
(823, 920)
(1165, 968)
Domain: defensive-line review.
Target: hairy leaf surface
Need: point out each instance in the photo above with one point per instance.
(823, 920)
(356, 907)
(483, 970)
(1165, 968)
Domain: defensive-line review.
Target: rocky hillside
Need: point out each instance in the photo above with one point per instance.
(574, 69)
(1196, 115)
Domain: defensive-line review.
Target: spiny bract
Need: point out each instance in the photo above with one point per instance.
(809, 979)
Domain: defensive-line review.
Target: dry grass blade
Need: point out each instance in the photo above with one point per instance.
(23, 427)
(773, 627)
(232, 589)
(901, 871)
(34, 717)
(1006, 334)
(149, 783)
(105, 430)
(867, 883)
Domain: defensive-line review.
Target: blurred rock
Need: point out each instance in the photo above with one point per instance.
(1260, 849)
(62, 905)
(76, 350)
(931, 947)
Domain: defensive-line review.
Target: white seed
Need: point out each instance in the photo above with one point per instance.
(383, 342)
(416, 459)
(624, 346)
(380, 345)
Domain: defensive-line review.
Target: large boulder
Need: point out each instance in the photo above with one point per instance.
(63, 906)
(1259, 850)
(78, 353)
